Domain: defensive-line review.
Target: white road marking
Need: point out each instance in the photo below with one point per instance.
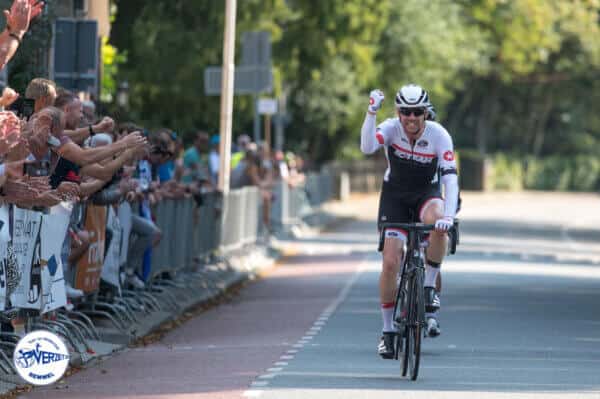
(252, 394)
(275, 369)
(259, 383)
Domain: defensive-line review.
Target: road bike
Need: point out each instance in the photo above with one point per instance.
(409, 311)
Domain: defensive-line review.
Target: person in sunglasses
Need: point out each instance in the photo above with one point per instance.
(415, 148)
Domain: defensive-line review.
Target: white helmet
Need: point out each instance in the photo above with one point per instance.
(412, 96)
(431, 115)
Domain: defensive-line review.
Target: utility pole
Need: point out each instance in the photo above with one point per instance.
(227, 87)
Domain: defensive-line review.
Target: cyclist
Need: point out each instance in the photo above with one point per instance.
(415, 149)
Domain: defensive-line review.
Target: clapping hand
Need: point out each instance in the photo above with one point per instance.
(9, 96)
(68, 191)
(21, 13)
(106, 125)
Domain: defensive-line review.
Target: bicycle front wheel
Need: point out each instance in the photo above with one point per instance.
(417, 315)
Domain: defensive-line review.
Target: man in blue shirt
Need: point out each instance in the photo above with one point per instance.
(195, 160)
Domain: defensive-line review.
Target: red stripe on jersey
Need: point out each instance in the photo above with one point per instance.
(421, 154)
(379, 138)
(388, 305)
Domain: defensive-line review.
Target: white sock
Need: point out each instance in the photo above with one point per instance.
(431, 274)
(387, 314)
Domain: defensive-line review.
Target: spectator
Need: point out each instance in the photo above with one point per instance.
(250, 172)
(89, 112)
(195, 161)
(43, 92)
(143, 227)
(166, 171)
(243, 143)
(47, 129)
(281, 169)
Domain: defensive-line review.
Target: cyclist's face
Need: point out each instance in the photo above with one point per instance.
(413, 125)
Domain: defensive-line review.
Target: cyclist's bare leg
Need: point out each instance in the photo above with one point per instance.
(438, 242)
(392, 256)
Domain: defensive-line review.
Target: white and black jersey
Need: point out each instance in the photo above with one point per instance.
(413, 167)
(411, 178)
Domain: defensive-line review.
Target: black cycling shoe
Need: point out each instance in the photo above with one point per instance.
(386, 345)
(432, 300)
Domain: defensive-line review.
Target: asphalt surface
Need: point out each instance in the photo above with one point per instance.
(520, 318)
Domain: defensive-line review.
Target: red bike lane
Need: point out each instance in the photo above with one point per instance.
(218, 353)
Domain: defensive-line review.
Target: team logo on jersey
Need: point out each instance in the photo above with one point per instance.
(423, 143)
(41, 357)
(449, 156)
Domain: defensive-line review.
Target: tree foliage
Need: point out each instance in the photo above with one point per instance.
(518, 75)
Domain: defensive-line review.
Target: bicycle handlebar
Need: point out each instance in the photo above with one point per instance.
(419, 227)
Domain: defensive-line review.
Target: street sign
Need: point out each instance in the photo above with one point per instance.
(256, 48)
(76, 49)
(248, 80)
(267, 106)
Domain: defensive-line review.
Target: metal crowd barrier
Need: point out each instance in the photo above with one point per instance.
(293, 205)
(194, 230)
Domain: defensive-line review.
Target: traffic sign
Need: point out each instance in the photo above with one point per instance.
(256, 48)
(248, 80)
(267, 106)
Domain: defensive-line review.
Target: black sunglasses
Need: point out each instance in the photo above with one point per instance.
(158, 151)
(414, 111)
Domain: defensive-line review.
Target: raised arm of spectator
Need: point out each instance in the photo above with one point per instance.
(107, 196)
(17, 23)
(106, 171)
(83, 157)
(90, 187)
(79, 135)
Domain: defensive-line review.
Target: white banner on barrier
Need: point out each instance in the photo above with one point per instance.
(4, 239)
(26, 244)
(53, 232)
(125, 220)
(110, 269)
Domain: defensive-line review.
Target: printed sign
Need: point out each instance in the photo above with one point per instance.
(89, 267)
(41, 358)
(27, 249)
(125, 220)
(54, 230)
(110, 269)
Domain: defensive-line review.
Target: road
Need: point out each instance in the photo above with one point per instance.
(520, 318)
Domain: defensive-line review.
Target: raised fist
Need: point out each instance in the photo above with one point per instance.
(375, 100)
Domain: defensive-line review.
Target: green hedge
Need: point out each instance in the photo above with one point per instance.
(555, 173)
